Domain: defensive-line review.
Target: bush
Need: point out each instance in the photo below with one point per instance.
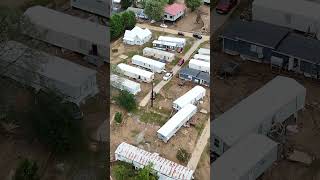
(118, 117)
(126, 100)
(126, 3)
(129, 19)
(116, 26)
(26, 170)
(193, 4)
(183, 155)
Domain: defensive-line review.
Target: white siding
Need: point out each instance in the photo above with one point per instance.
(191, 97)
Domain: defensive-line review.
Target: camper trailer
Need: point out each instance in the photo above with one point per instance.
(191, 97)
(125, 84)
(176, 122)
(158, 54)
(202, 57)
(154, 66)
(136, 73)
(199, 65)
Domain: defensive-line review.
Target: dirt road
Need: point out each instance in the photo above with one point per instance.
(201, 144)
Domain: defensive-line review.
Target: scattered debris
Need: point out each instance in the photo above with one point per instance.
(124, 57)
(203, 111)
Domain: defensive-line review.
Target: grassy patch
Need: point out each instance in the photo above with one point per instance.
(199, 127)
(153, 118)
(187, 47)
(134, 133)
(175, 61)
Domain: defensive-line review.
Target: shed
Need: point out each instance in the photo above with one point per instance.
(191, 97)
(40, 70)
(136, 73)
(195, 76)
(158, 54)
(125, 84)
(301, 15)
(163, 168)
(99, 7)
(174, 11)
(153, 65)
(246, 160)
(170, 128)
(65, 31)
(181, 42)
(202, 57)
(164, 45)
(275, 102)
(137, 36)
(249, 40)
(204, 51)
(199, 65)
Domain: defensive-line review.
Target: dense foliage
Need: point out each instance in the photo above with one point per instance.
(193, 4)
(27, 170)
(155, 9)
(126, 100)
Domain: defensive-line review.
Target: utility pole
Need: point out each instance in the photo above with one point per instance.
(152, 94)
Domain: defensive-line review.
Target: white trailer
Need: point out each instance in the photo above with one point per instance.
(204, 51)
(247, 160)
(125, 84)
(176, 122)
(191, 97)
(136, 73)
(181, 42)
(199, 65)
(99, 7)
(275, 102)
(158, 54)
(202, 57)
(66, 31)
(163, 168)
(164, 45)
(153, 65)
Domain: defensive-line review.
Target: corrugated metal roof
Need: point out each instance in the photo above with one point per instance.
(134, 70)
(248, 114)
(160, 164)
(242, 157)
(128, 84)
(70, 25)
(189, 96)
(148, 61)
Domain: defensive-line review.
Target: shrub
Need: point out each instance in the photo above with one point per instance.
(118, 117)
(126, 100)
(183, 155)
(27, 170)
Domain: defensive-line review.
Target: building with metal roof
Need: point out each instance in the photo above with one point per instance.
(174, 11)
(164, 168)
(137, 36)
(195, 76)
(135, 73)
(152, 65)
(191, 97)
(125, 84)
(158, 54)
(199, 65)
(99, 7)
(181, 42)
(204, 51)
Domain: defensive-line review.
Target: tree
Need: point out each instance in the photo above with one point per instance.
(154, 9)
(193, 4)
(170, 1)
(120, 172)
(126, 3)
(129, 19)
(145, 173)
(118, 117)
(126, 100)
(27, 170)
(183, 155)
(116, 26)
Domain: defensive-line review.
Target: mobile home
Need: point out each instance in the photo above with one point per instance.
(164, 45)
(195, 76)
(158, 54)
(136, 73)
(154, 66)
(204, 51)
(247, 160)
(275, 102)
(199, 65)
(181, 42)
(66, 31)
(40, 70)
(176, 122)
(202, 57)
(163, 168)
(99, 7)
(191, 97)
(125, 84)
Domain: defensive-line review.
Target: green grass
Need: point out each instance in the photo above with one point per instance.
(175, 61)
(199, 127)
(153, 118)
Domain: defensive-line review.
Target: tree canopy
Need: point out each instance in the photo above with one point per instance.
(193, 4)
(126, 100)
(154, 9)
(126, 3)
(27, 170)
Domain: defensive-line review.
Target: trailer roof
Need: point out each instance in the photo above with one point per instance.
(64, 23)
(176, 119)
(52, 67)
(164, 43)
(242, 157)
(202, 56)
(254, 32)
(199, 63)
(124, 81)
(191, 94)
(135, 70)
(189, 71)
(204, 76)
(149, 61)
(158, 51)
(160, 164)
(204, 51)
(172, 39)
(242, 118)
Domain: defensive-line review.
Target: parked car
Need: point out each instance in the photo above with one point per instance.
(180, 50)
(180, 33)
(224, 6)
(163, 25)
(197, 35)
(167, 76)
(181, 62)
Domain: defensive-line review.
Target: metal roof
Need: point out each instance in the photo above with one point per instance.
(166, 43)
(176, 120)
(128, 84)
(248, 114)
(149, 61)
(174, 9)
(52, 67)
(301, 47)
(256, 32)
(202, 57)
(199, 63)
(172, 39)
(204, 51)
(67, 24)
(157, 51)
(160, 164)
(189, 96)
(204, 76)
(189, 71)
(242, 157)
(135, 70)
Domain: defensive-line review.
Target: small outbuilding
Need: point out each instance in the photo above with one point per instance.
(170, 128)
(137, 36)
(158, 54)
(99, 7)
(174, 11)
(153, 65)
(136, 73)
(125, 84)
(191, 97)
(199, 65)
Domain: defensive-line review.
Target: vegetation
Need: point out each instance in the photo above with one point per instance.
(129, 19)
(27, 170)
(118, 117)
(120, 22)
(126, 100)
(9, 23)
(170, 1)
(31, 3)
(193, 4)
(152, 117)
(183, 155)
(145, 173)
(154, 9)
(126, 3)
(125, 171)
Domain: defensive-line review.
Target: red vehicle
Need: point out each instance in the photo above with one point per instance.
(224, 6)
(180, 50)
(181, 62)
